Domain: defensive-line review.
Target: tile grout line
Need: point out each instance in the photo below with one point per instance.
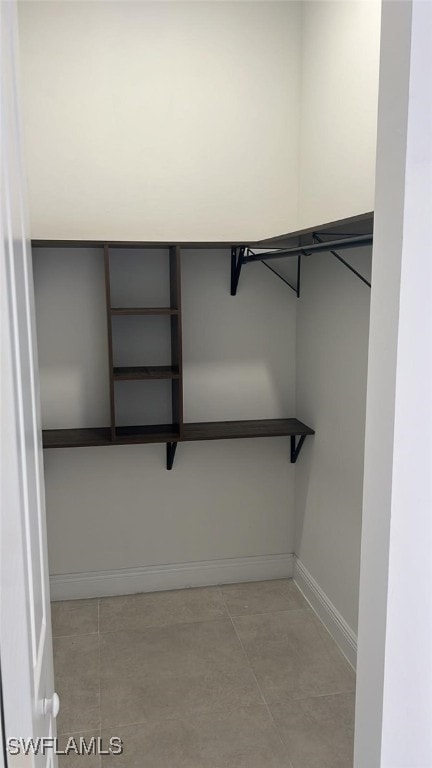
(225, 617)
(321, 695)
(276, 729)
(306, 609)
(76, 634)
(261, 694)
(163, 626)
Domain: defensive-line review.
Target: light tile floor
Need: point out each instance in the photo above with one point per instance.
(239, 676)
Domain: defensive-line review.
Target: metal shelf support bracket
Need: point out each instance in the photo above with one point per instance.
(171, 450)
(236, 265)
(295, 449)
(337, 256)
(295, 288)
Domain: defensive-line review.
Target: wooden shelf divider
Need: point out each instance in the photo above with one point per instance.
(145, 373)
(120, 311)
(110, 339)
(176, 339)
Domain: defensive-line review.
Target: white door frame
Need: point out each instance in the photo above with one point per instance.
(394, 667)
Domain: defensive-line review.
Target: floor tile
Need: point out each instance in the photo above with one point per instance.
(291, 658)
(74, 617)
(175, 671)
(76, 669)
(262, 597)
(73, 760)
(318, 732)
(160, 608)
(246, 738)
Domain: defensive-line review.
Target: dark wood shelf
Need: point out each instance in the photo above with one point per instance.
(140, 244)
(359, 224)
(153, 433)
(165, 433)
(145, 373)
(119, 311)
(80, 438)
(76, 438)
(362, 224)
(225, 430)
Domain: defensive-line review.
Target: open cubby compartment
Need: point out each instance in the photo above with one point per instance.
(145, 410)
(142, 348)
(140, 281)
(72, 344)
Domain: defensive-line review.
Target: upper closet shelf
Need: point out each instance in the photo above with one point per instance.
(343, 235)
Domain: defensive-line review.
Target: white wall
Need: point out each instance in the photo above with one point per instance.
(339, 95)
(161, 120)
(118, 507)
(198, 120)
(332, 340)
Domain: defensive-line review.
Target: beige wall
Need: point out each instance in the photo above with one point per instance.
(138, 117)
(206, 120)
(332, 343)
(118, 507)
(339, 97)
(161, 120)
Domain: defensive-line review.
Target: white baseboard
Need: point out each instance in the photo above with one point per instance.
(340, 631)
(153, 578)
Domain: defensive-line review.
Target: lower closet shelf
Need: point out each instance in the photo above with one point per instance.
(82, 438)
(76, 438)
(227, 430)
(207, 430)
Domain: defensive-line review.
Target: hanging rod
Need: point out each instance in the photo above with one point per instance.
(305, 250)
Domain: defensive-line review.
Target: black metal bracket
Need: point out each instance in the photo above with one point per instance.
(238, 258)
(295, 449)
(171, 450)
(295, 288)
(343, 261)
(236, 265)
